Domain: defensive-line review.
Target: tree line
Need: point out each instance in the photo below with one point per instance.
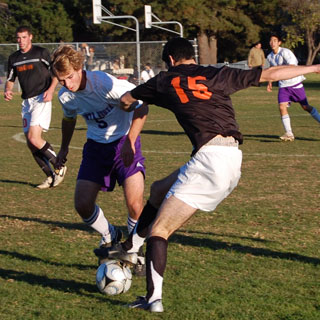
(225, 29)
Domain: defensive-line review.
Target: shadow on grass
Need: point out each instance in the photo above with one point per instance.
(272, 138)
(27, 257)
(259, 252)
(225, 235)
(19, 182)
(57, 224)
(193, 241)
(66, 225)
(311, 85)
(70, 286)
(162, 133)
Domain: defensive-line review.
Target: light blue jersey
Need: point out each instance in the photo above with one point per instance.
(282, 58)
(99, 105)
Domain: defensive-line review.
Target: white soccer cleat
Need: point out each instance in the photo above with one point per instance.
(142, 303)
(59, 176)
(46, 184)
(287, 137)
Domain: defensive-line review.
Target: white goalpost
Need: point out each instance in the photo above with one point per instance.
(102, 14)
(148, 15)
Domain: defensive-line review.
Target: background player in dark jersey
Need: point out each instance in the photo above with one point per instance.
(30, 64)
(200, 99)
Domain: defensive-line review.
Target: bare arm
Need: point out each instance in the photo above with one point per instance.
(8, 94)
(128, 149)
(48, 95)
(287, 72)
(67, 126)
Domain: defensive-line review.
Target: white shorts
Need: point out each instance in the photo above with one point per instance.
(35, 112)
(209, 177)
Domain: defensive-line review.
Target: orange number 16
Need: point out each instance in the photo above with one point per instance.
(199, 90)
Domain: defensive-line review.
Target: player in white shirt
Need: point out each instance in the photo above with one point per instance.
(147, 73)
(112, 152)
(290, 90)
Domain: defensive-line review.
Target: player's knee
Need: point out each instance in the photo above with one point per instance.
(135, 209)
(158, 231)
(34, 142)
(83, 208)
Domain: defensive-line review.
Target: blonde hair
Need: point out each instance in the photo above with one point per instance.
(65, 58)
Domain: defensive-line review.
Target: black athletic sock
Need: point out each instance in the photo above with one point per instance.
(156, 260)
(43, 163)
(147, 216)
(48, 152)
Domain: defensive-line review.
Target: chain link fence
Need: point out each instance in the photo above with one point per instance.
(116, 58)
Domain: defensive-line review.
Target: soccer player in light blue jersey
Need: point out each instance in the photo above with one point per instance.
(112, 153)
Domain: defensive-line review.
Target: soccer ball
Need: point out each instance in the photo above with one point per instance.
(113, 278)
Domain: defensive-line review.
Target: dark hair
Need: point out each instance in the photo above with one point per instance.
(276, 35)
(24, 29)
(178, 48)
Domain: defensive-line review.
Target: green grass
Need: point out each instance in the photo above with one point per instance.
(255, 257)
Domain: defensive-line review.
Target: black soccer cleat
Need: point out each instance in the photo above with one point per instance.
(116, 252)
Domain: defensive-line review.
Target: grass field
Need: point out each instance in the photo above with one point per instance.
(256, 257)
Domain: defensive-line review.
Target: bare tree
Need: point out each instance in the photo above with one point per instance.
(305, 25)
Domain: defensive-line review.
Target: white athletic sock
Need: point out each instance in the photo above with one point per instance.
(157, 282)
(131, 223)
(137, 241)
(99, 223)
(286, 123)
(315, 114)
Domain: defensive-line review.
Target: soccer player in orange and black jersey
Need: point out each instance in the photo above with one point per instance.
(200, 99)
(30, 64)
(32, 70)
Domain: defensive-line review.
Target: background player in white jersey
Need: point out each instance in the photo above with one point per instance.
(147, 73)
(290, 90)
(112, 152)
(30, 64)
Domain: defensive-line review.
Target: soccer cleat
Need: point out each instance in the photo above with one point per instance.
(116, 252)
(102, 251)
(141, 303)
(46, 184)
(59, 176)
(287, 137)
(117, 238)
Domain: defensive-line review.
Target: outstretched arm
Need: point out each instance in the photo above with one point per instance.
(287, 72)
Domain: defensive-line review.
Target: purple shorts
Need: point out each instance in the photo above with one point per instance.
(292, 94)
(102, 163)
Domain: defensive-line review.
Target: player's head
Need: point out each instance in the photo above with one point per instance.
(148, 66)
(275, 42)
(24, 38)
(67, 64)
(179, 49)
(257, 45)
